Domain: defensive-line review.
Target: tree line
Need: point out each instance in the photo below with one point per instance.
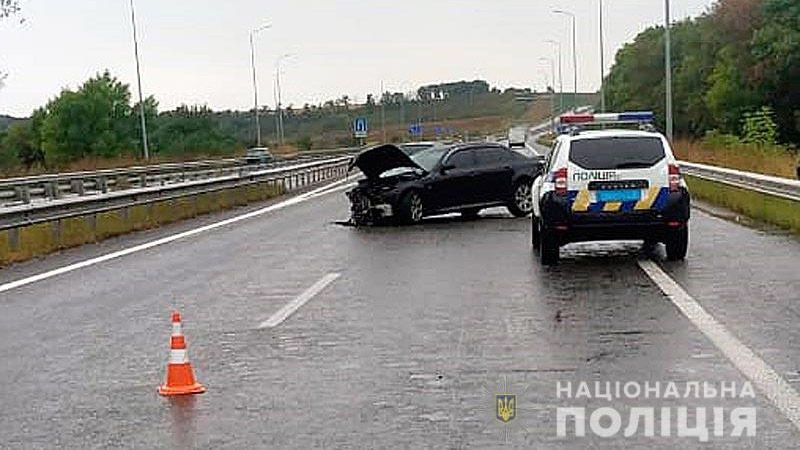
(99, 120)
(736, 72)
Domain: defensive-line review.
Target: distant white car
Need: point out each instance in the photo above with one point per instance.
(516, 137)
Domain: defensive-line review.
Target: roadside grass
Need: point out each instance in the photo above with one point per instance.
(766, 208)
(775, 160)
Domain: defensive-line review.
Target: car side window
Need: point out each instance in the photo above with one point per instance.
(464, 159)
(489, 157)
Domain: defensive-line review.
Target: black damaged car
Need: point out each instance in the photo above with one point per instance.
(463, 178)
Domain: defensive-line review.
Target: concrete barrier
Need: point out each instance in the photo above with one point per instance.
(29, 241)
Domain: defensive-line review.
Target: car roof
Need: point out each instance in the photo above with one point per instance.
(599, 134)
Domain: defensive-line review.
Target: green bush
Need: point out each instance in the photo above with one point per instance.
(759, 127)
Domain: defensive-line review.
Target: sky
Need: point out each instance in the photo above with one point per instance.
(197, 51)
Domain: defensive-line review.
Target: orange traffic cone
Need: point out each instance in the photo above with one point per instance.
(180, 376)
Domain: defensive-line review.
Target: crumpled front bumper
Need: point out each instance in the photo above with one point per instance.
(367, 211)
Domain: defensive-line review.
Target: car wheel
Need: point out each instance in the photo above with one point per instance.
(470, 213)
(678, 244)
(521, 203)
(549, 251)
(411, 209)
(535, 232)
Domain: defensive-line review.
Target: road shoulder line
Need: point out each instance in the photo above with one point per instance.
(764, 377)
(328, 188)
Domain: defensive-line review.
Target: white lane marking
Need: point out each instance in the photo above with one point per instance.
(333, 189)
(166, 240)
(766, 380)
(299, 301)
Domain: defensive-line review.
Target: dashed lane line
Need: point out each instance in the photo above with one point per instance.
(291, 307)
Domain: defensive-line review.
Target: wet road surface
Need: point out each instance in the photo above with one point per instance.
(406, 348)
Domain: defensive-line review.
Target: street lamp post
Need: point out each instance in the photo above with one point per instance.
(145, 147)
(553, 78)
(281, 135)
(560, 75)
(574, 51)
(383, 114)
(255, 82)
(668, 67)
(602, 64)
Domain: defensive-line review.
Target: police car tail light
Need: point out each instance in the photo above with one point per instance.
(560, 181)
(674, 177)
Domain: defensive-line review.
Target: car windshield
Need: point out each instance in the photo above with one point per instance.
(617, 152)
(411, 149)
(427, 159)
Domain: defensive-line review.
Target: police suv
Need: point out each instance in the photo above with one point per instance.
(610, 184)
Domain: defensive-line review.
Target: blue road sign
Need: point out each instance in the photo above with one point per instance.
(415, 130)
(360, 127)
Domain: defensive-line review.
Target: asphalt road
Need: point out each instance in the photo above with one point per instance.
(406, 348)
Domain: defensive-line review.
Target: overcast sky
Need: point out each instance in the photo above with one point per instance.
(197, 52)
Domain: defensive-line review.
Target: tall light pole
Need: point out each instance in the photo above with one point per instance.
(560, 75)
(278, 100)
(668, 67)
(145, 147)
(602, 64)
(574, 50)
(383, 114)
(255, 81)
(553, 77)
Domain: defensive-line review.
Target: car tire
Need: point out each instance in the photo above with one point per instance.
(410, 210)
(549, 251)
(677, 244)
(535, 232)
(521, 203)
(471, 213)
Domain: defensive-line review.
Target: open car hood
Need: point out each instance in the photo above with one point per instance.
(378, 160)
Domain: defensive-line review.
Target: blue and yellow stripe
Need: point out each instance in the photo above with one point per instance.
(655, 198)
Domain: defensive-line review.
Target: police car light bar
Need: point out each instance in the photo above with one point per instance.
(626, 117)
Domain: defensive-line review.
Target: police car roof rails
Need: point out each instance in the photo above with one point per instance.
(572, 123)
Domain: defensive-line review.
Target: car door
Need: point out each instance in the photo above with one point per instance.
(493, 175)
(538, 184)
(454, 186)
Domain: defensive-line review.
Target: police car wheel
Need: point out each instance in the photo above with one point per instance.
(549, 251)
(677, 244)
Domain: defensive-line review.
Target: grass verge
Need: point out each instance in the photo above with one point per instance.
(777, 211)
(775, 161)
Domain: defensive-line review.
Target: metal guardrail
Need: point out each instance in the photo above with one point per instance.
(289, 176)
(765, 184)
(51, 187)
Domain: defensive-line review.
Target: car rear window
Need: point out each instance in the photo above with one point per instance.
(617, 152)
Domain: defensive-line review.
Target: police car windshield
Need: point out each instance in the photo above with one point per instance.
(617, 152)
